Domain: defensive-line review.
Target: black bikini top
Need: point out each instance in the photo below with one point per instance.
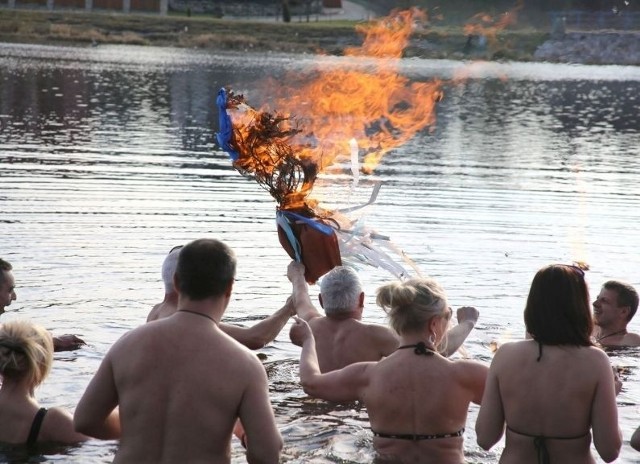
(419, 348)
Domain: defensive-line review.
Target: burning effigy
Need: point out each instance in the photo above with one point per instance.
(343, 115)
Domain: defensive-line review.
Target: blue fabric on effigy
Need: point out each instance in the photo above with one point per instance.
(226, 127)
(320, 227)
(283, 222)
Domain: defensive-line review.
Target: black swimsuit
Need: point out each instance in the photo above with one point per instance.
(35, 427)
(419, 349)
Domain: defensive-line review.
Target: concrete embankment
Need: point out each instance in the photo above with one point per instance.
(598, 47)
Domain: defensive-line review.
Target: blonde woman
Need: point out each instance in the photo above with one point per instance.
(417, 400)
(26, 355)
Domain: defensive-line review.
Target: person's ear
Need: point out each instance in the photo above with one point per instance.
(433, 325)
(361, 300)
(626, 310)
(176, 282)
(229, 289)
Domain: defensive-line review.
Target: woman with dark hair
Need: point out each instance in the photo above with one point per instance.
(417, 400)
(555, 390)
(26, 355)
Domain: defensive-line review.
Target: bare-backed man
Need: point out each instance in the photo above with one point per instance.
(173, 390)
(341, 336)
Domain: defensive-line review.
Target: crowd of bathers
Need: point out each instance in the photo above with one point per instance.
(184, 385)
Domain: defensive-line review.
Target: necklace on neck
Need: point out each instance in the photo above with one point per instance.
(619, 332)
(198, 314)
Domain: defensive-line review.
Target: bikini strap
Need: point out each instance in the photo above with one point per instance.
(35, 427)
(419, 348)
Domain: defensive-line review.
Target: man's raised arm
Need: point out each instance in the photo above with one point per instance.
(263, 332)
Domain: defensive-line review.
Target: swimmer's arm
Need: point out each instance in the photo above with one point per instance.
(96, 414)
(607, 437)
(265, 331)
(262, 438)
(300, 292)
(467, 318)
(341, 385)
(491, 421)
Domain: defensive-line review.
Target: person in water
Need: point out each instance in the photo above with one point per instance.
(341, 336)
(554, 391)
(613, 310)
(65, 342)
(173, 389)
(254, 337)
(26, 355)
(417, 400)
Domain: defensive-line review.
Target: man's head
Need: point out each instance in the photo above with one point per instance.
(341, 291)
(169, 268)
(7, 285)
(206, 268)
(616, 301)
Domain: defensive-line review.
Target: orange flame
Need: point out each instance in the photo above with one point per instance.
(485, 25)
(366, 104)
(378, 107)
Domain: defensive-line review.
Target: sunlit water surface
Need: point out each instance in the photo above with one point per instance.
(108, 159)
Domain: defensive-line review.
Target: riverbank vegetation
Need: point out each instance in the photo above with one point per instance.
(444, 40)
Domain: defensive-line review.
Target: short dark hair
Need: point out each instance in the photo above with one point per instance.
(627, 295)
(558, 310)
(4, 266)
(206, 268)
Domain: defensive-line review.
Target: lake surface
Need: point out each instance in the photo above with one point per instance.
(108, 159)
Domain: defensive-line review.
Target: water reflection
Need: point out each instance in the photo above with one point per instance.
(108, 159)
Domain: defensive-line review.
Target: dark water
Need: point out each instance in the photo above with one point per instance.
(108, 159)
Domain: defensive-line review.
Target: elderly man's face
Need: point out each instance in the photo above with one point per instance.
(7, 289)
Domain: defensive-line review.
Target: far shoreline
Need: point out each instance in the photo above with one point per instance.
(78, 28)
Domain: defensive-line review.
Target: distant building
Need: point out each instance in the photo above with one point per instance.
(125, 6)
(332, 3)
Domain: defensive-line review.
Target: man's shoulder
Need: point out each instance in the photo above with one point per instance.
(632, 339)
(379, 330)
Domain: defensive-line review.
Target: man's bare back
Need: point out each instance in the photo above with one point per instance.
(173, 390)
(340, 342)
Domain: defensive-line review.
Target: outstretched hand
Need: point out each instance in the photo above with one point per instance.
(295, 270)
(467, 313)
(290, 305)
(300, 331)
(67, 342)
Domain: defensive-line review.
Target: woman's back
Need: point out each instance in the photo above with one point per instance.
(418, 403)
(551, 397)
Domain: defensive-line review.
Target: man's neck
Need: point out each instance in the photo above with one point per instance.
(212, 308)
(610, 332)
(357, 315)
